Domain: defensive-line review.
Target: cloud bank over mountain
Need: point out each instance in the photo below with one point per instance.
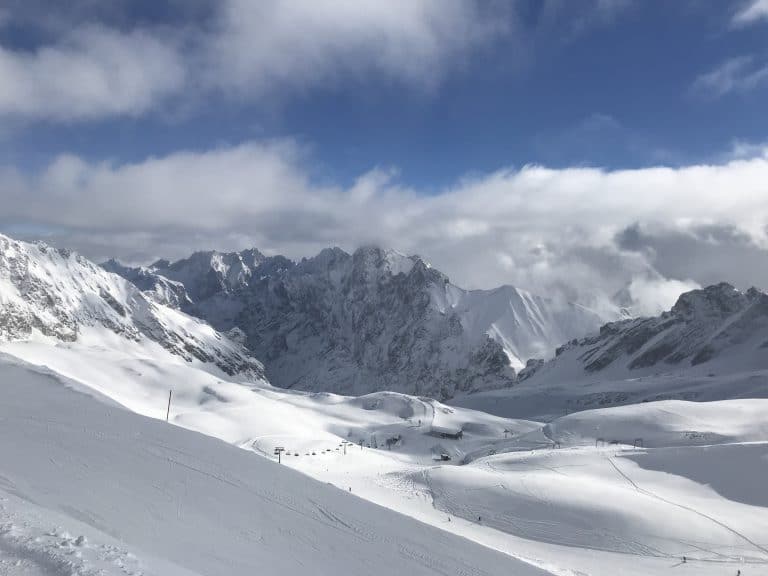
(584, 233)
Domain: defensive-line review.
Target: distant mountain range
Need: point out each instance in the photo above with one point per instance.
(715, 326)
(371, 320)
(378, 320)
(711, 345)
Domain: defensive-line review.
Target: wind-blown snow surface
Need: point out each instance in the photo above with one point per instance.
(372, 320)
(89, 489)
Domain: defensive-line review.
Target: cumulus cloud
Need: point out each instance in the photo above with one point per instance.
(96, 59)
(258, 46)
(751, 11)
(709, 252)
(106, 67)
(90, 73)
(584, 233)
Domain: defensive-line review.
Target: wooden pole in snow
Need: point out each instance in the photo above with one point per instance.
(168, 412)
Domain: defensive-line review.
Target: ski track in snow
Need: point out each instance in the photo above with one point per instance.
(730, 529)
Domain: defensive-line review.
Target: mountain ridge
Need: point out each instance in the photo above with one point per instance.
(57, 294)
(374, 319)
(711, 345)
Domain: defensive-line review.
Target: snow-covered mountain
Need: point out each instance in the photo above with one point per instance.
(716, 325)
(712, 345)
(159, 288)
(61, 296)
(371, 320)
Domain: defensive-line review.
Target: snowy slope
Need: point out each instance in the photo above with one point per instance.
(372, 320)
(545, 506)
(91, 489)
(693, 489)
(666, 423)
(58, 295)
(526, 325)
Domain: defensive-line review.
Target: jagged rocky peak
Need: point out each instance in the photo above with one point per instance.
(326, 261)
(717, 301)
(370, 258)
(155, 286)
(159, 264)
(60, 295)
(207, 273)
(202, 275)
(114, 266)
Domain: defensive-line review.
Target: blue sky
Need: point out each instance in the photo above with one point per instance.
(578, 84)
(294, 109)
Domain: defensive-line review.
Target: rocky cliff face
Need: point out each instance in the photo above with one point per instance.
(59, 295)
(371, 320)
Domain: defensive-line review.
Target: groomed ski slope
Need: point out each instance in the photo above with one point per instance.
(88, 488)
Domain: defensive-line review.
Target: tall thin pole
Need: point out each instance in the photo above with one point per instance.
(168, 413)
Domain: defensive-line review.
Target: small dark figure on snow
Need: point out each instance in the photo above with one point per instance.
(479, 519)
(684, 560)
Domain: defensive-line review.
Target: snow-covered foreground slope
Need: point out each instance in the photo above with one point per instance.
(571, 510)
(367, 321)
(87, 489)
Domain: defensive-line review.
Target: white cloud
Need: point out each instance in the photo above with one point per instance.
(251, 48)
(260, 46)
(91, 73)
(751, 11)
(652, 293)
(739, 74)
(551, 231)
(744, 150)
